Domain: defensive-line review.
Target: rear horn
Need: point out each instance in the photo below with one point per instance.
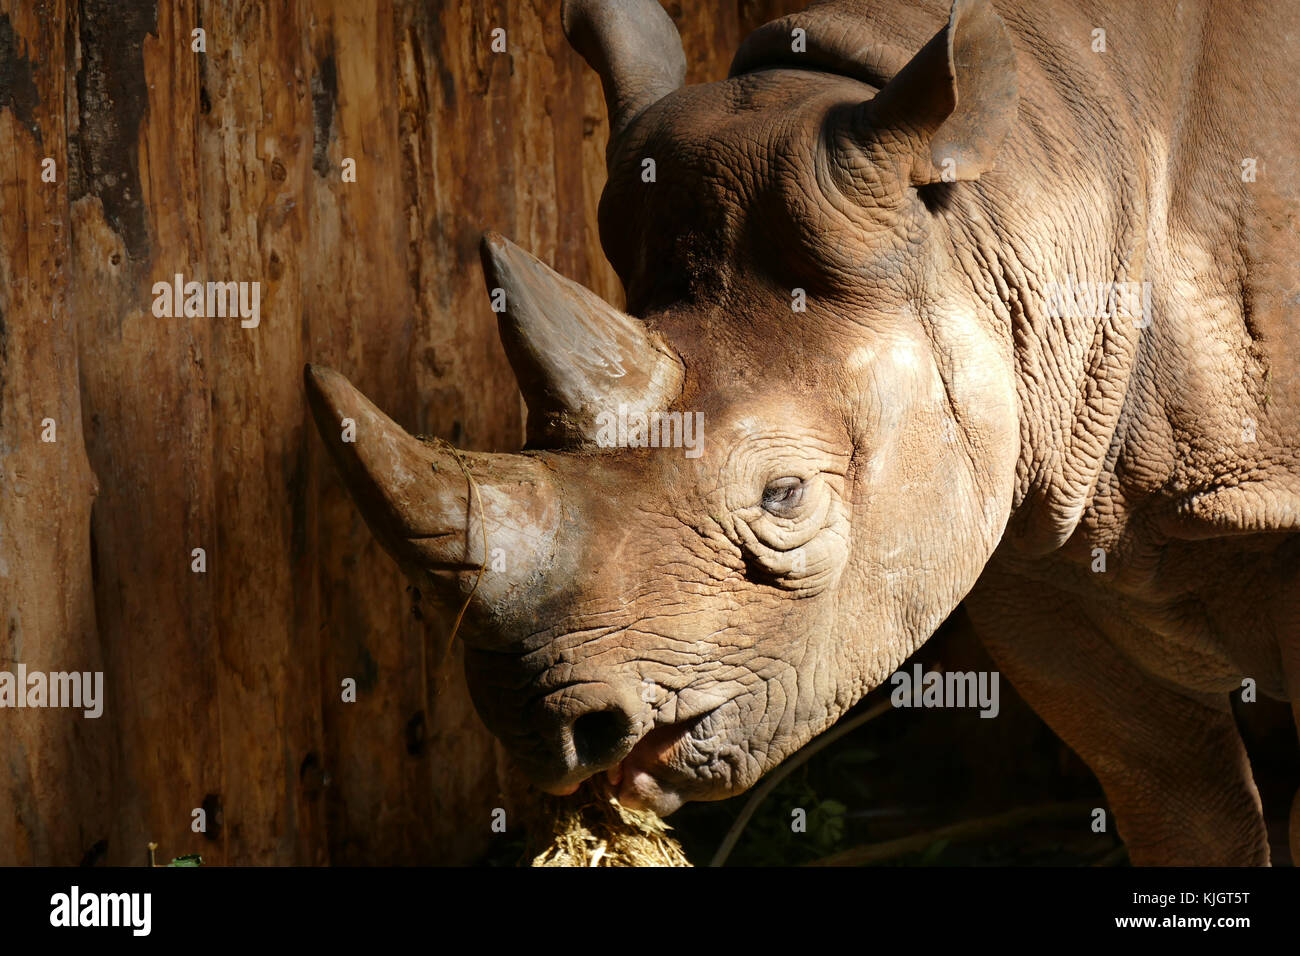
(574, 354)
(633, 46)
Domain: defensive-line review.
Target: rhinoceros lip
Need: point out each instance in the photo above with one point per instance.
(647, 778)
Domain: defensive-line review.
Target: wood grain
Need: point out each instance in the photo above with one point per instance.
(224, 687)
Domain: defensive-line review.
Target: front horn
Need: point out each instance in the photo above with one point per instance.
(433, 509)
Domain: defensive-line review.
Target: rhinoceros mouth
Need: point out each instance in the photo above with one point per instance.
(664, 769)
(667, 767)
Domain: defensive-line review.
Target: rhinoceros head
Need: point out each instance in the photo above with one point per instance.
(747, 500)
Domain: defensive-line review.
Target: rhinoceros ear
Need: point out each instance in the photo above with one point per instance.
(954, 101)
(635, 48)
(575, 356)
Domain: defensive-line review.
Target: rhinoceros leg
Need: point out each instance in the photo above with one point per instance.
(1173, 766)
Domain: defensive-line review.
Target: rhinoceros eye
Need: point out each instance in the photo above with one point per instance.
(783, 496)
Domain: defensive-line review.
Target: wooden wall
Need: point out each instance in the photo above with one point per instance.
(223, 687)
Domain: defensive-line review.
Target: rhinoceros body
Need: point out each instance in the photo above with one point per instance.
(981, 308)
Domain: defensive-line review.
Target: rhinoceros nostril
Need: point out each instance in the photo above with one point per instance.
(597, 735)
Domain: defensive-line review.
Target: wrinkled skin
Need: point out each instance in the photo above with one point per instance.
(924, 432)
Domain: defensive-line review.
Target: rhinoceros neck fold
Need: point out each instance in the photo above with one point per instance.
(1063, 268)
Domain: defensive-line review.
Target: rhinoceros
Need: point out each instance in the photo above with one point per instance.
(970, 305)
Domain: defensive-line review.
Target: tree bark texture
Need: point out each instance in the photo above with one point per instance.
(223, 687)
